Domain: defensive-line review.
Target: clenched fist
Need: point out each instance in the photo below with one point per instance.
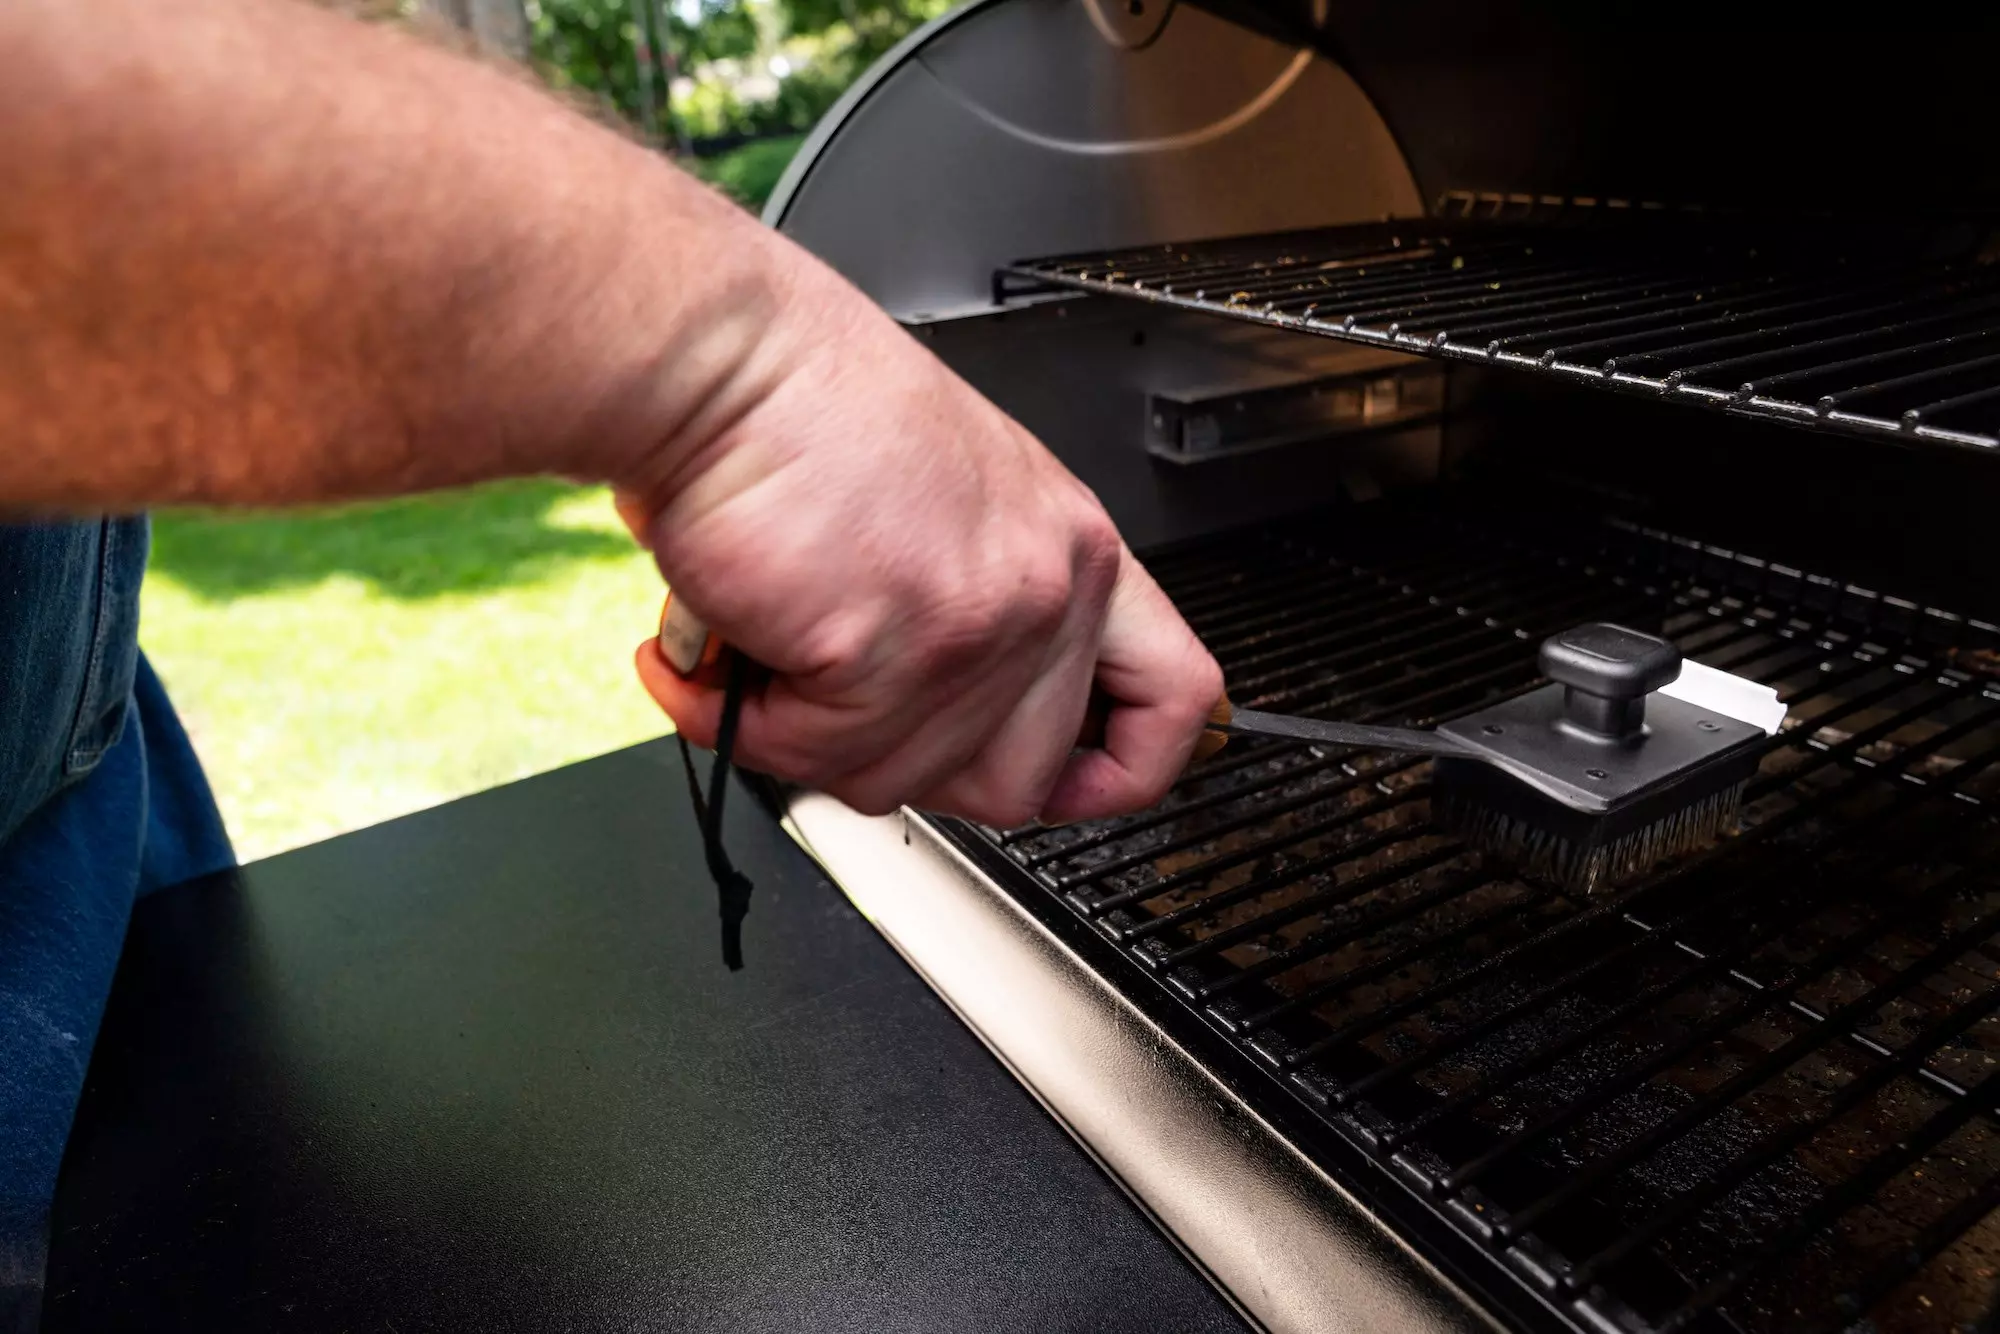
(933, 593)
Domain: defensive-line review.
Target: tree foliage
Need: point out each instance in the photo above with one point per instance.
(600, 47)
(625, 53)
(722, 30)
(876, 25)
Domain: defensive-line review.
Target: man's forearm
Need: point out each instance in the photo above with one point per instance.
(255, 253)
(251, 252)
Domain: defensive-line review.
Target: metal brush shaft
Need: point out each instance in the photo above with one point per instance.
(1407, 740)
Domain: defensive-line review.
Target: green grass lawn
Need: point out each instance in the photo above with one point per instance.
(751, 172)
(338, 667)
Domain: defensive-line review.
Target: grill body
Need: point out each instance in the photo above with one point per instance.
(1367, 1078)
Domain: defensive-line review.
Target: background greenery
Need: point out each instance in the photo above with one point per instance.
(749, 173)
(683, 71)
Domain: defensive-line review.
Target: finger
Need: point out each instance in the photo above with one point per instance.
(953, 730)
(807, 733)
(812, 750)
(1007, 783)
(787, 732)
(937, 691)
(1162, 683)
(696, 710)
(992, 754)
(789, 729)
(786, 727)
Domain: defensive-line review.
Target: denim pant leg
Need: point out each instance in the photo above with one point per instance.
(101, 798)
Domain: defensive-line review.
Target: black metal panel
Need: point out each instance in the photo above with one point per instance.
(482, 1069)
(1867, 331)
(1753, 1091)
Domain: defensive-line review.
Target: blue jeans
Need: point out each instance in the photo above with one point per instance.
(101, 800)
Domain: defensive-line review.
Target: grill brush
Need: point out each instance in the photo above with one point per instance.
(1629, 755)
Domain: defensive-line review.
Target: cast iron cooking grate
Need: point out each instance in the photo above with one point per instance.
(1867, 332)
(1756, 1090)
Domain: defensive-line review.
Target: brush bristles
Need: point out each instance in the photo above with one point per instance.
(1592, 862)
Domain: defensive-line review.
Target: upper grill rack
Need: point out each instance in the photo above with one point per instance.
(1751, 1092)
(1869, 333)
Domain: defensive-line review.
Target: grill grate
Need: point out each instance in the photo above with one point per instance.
(1865, 333)
(1754, 1091)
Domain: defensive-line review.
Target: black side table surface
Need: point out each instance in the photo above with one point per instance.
(482, 1069)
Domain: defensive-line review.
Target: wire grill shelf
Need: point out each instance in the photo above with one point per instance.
(1755, 1091)
(1862, 332)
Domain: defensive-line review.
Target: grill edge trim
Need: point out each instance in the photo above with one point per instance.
(1292, 1247)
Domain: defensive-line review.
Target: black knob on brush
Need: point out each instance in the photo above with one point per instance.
(1608, 671)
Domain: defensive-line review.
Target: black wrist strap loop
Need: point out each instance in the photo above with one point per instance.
(732, 887)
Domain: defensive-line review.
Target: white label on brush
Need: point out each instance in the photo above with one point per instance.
(1745, 701)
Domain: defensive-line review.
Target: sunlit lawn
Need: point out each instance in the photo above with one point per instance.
(343, 666)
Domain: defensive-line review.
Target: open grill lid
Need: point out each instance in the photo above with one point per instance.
(1841, 274)
(1023, 127)
(1014, 128)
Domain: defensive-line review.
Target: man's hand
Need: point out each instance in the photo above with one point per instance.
(934, 593)
(252, 253)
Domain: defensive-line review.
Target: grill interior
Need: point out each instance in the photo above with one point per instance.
(1865, 330)
(1754, 1091)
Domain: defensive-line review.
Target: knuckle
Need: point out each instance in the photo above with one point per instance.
(1099, 549)
(1206, 682)
(1043, 599)
(836, 644)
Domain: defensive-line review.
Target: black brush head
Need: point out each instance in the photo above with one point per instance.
(1595, 779)
(1498, 813)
